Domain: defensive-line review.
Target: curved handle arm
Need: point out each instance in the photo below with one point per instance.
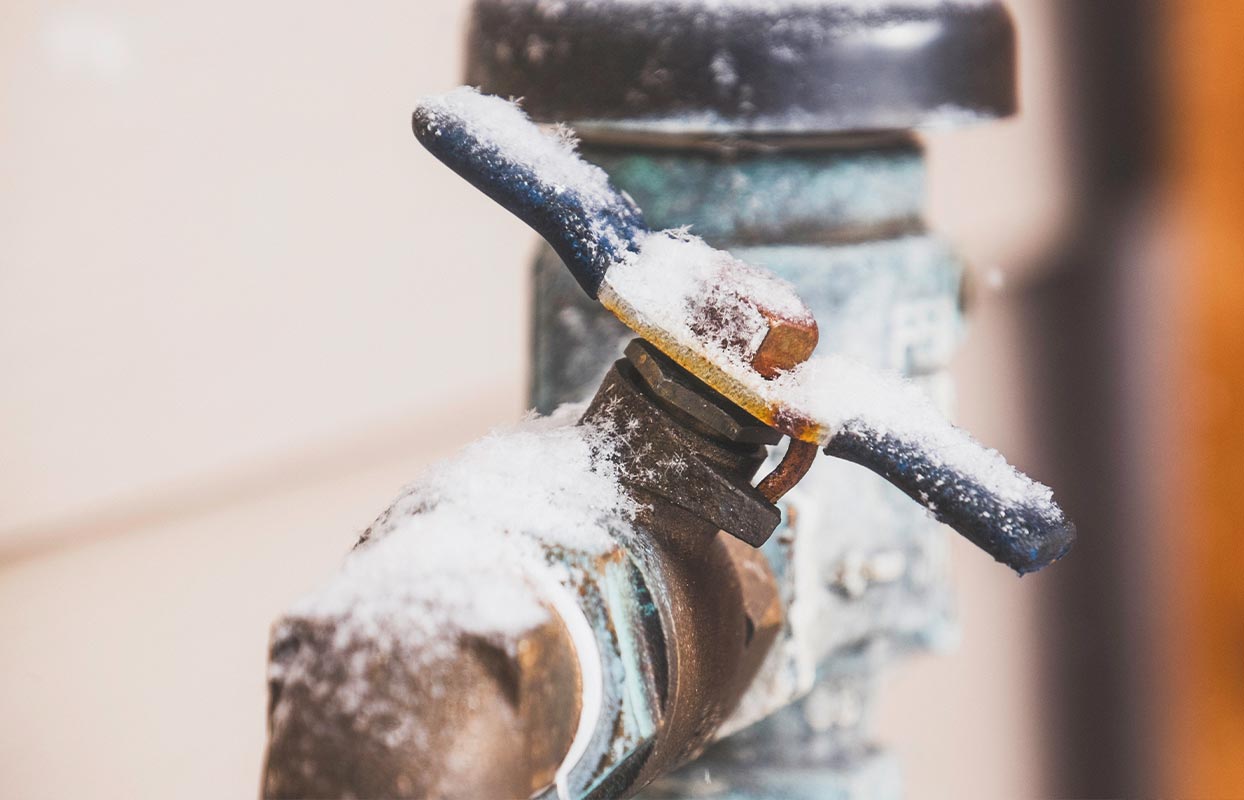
(968, 487)
(538, 178)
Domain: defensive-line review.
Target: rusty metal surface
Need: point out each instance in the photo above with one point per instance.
(789, 471)
(438, 715)
(684, 467)
(788, 344)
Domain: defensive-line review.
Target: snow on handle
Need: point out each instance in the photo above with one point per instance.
(883, 422)
(701, 299)
(957, 486)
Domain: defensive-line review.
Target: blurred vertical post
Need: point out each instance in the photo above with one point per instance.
(1086, 358)
(1208, 674)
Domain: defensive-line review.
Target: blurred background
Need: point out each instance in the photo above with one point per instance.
(240, 308)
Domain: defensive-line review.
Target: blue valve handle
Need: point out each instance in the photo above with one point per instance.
(593, 227)
(1024, 534)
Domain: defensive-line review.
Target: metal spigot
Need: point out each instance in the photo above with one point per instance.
(639, 654)
(629, 676)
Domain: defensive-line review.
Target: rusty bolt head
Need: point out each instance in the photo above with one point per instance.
(788, 344)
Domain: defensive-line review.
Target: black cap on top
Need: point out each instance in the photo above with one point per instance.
(747, 66)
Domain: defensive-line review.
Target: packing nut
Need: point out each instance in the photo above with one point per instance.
(673, 385)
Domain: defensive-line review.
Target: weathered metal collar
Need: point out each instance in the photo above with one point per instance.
(750, 67)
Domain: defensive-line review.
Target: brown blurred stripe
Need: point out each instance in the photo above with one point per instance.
(1207, 736)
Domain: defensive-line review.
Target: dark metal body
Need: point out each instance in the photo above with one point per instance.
(662, 65)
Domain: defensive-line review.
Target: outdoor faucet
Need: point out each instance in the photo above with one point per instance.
(609, 620)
